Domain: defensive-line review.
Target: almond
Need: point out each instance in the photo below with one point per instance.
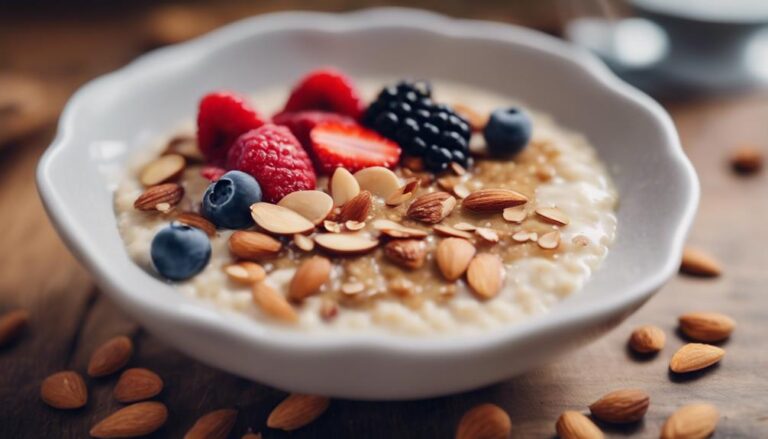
(485, 275)
(747, 160)
(488, 235)
(309, 277)
(379, 180)
(696, 262)
(214, 425)
(111, 356)
(194, 220)
(403, 194)
(493, 200)
(647, 339)
(397, 230)
(162, 169)
(253, 245)
(409, 253)
(549, 241)
(451, 231)
(273, 303)
(297, 411)
(134, 420)
(12, 324)
(186, 146)
(154, 196)
(486, 421)
(332, 226)
(245, 272)
(574, 425)
(432, 208)
(621, 406)
(64, 390)
(252, 436)
(312, 205)
(303, 242)
(357, 208)
(476, 120)
(706, 326)
(346, 243)
(453, 256)
(515, 214)
(343, 186)
(279, 220)
(695, 356)
(692, 421)
(137, 384)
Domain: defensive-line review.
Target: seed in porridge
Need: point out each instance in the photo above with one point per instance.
(378, 180)
(352, 288)
(346, 243)
(162, 169)
(309, 277)
(167, 193)
(453, 256)
(195, 220)
(397, 230)
(552, 215)
(485, 275)
(343, 186)
(508, 131)
(253, 245)
(549, 241)
(303, 242)
(515, 214)
(444, 230)
(523, 236)
(431, 208)
(186, 146)
(487, 234)
(580, 240)
(493, 200)
(273, 303)
(279, 220)
(358, 208)
(245, 272)
(312, 205)
(409, 253)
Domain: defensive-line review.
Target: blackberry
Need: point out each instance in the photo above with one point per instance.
(405, 112)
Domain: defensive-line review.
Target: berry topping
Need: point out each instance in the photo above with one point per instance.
(179, 251)
(227, 202)
(326, 90)
(353, 147)
(221, 119)
(301, 123)
(273, 156)
(406, 114)
(212, 173)
(508, 131)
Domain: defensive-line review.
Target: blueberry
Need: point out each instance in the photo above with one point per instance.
(179, 252)
(227, 202)
(508, 131)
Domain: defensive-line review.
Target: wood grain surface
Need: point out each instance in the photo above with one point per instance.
(69, 316)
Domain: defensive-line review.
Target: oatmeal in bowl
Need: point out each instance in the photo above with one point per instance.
(409, 207)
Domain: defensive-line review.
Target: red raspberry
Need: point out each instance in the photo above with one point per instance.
(273, 156)
(301, 123)
(326, 90)
(222, 117)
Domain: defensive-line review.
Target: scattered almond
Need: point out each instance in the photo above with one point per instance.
(111, 356)
(296, 411)
(64, 390)
(485, 275)
(699, 263)
(453, 256)
(245, 272)
(549, 241)
(706, 326)
(137, 419)
(358, 208)
(523, 236)
(574, 425)
(493, 200)
(465, 227)
(343, 186)
(431, 208)
(692, 421)
(279, 220)
(273, 303)
(403, 194)
(194, 220)
(253, 245)
(621, 406)
(378, 180)
(515, 214)
(747, 160)
(186, 146)
(397, 230)
(312, 205)
(154, 196)
(12, 324)
(486, 421)
(346, 243)
(695, 356)
(458, 169)
(354, 225)
(332, 226)
(409, 253)
(352, 288)
(461, 191)
(137, 384)
(647, 339)
(303, 242)
(213, 425)
(552, 215)
(309, 277)
(487, 234)
(162, 169)
(451, 231)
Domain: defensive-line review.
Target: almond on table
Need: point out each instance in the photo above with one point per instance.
(695, 356)
(110, 357)
(487, 421)
(213, 425)
(296, 411)
(621, 406)
(64, 390)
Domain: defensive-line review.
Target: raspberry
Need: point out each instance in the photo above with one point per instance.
(222, 117)
(326, 90)
(301, 123)
(273, 156)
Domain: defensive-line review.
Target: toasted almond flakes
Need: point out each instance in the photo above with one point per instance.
(279, 220)
(273, 303)
(354, 225)
(465, 227)
(312, 205)
(458, 169)
(346, 243)
(514, 214)
(523, 236)
(487, 234)
(453, 256)
(303, 242)
(162, 169)
(398, 198)
(451, 231)
(549, 241)
(461, 191)
(552, 215)
(397, 230)
(245, 272)
(695, 356)
(332, 226)
(379, 180)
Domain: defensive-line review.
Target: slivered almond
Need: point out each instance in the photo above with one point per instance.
(409, 253)
(12, 324)
(245, 272)
(303, 242)
(706, 326)
(296, 411)
(451, 231)
(186, 146)
(378, 180)
(485, 421)
(465, 227)
(699, 263)
(574, 425)
(354, 225)
(549, 241)
(110, 357)
(692, 421)
(458, 169)
(431, 208)
(621, 406)
(153, 196)
(279, 220)
(253, 245)
(213, 425)
(515, 214)
(358, 208)
(134, 420)
(312, 205)
(137, 384)
(647, 339)
(397, 230)
(194, 220)
(343, 186)
(487, 234)
(695, 356)
(552, 215)
(162, 169)
(485, 275)
(346, 243)
(273, 303)
(309, 277)
(332, 226)
(493, 200)
(453, 256)
(64, 390)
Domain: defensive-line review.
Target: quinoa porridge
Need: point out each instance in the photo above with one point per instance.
(461, 251)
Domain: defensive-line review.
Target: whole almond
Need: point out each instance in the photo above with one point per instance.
(695, 356)
(64, 390)
(252, 436)
(253, 245)
(164, 168)
(297, 411)
(453, 256)
(309, 277)
(574, 425)
(194, 220)
(706, 326)
(137, 384)
(747, 160)
(486, 421)
(485, 275)
(697, 262)
(408, 253)
(137, 419)
(621, 406)
(647, 339)
(273, 303)
(110, 356)
(214, 425)
(692, 421)
(153, 196)
(431, 208)
(493, 200)
(12, 324)
(356, 209)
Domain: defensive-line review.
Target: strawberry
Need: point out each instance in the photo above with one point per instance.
(351, 146)
(301, 122)
(326, 90)
(222, 117)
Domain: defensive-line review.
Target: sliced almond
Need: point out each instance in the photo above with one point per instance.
(186, 146)
(352, 288)
(309, 277)
(303, 242)
(409, 253)
(378, 180)
(110, 357)
(279, 220)
(152, 197)
(485, 275)
(432, 208)
(453, 256)
(343, 186)
(194, 220)
(398, 198)
(137, 384)
(397, 230)
(354, 225)
(346, 243)
(493, 200)
(515, 214)
(296, 411)
(465, 227)
(485, 421)
(647, 339)
(164, 168)
(523, 236)
(549, 241)
(487, 234)
(213, 425)
(699, 263)
(692, 421)
(552, 215)
(273, 303)
(695, 356)
(134, 420)
(451, 231)
(358, 208)
(245, 272)
(747, 160)
(574, 425)
(458, 169)
(621, 406)
(706, 326)
(253, 245)
(312, 205)
(461, 191)
(332, 226)
(64, 390)
(12, 324)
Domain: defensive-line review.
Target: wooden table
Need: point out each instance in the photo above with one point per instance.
(69, 317)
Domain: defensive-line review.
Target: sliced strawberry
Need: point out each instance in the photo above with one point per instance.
(326, 90)
(221, 119)
(352, 147)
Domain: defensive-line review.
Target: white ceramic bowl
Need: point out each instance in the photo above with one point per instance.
(111, 117)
